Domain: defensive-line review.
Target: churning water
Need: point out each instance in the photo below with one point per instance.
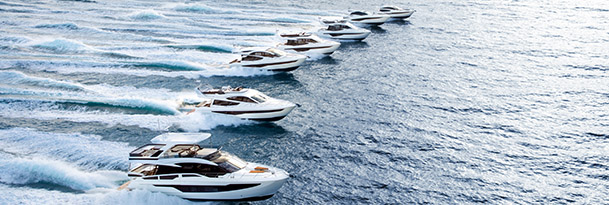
(465, 102)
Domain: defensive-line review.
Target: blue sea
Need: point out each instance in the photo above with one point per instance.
(492, 101)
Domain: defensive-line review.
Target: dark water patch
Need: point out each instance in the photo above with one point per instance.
(602, 136)
(350, 45)
(83, 1)
(561, 200)
(10, 49)
(493, 127)
(381, 152)
(240, 33)
(589, 67)
(48, 186)
(8, 23)
(24, 11)
(522, 157)
(10, 4)
(11, 39)
(592, 9)
(471, 110)
(599, 176)
(468, 64)
(258, 19)
(205, 48)
(531, 146)
(130, 30)
(119, 55)
(377, 30)
(469, 198)
(134, 135)
(65, 26)
(167, 66)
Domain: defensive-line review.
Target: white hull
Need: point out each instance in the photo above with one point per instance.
(260, 113)
(248, 186)
(399, 14)
(345, 35)
(372, 20)
(326, 49)
(265, 189)
(285, 64)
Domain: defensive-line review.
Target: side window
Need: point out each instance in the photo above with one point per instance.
(224, 103)
(251, 58)
(203, 169)
(242, 99)
(267, 54)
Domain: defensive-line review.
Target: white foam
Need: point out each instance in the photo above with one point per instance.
(35, 170)
(193, 122)
(146, 15)
(19, 78)
(84, 67)
(199, 8)
(61, 46)
(87, 151)
(25, 195)
(134, 102)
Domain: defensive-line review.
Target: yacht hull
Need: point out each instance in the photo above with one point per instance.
(358, 36)
(322, 49)
(400, 14)
(371, 20)
(212, 189)
(282, 66)
(259, 115)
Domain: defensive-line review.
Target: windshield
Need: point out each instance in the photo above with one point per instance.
(145, 169)
(230, 162)
(259, 98)
(276, 51)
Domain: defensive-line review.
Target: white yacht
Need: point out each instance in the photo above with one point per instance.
(240, 102)
(270, 59)
(396, 12)
(307, 43)
(342, 30)
(363, 17)
(175, 164)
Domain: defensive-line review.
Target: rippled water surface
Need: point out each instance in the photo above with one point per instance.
(465, 102)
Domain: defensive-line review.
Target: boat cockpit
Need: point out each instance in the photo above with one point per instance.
(300, 41)
(338, 27)
(227, 163)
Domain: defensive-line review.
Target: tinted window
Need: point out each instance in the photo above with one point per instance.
(203, 169)
(259, 98)
(224, 103)
(251, 58)
(242, 99)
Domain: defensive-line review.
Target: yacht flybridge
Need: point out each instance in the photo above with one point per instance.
(342, 30)
(175, 164)
(240, 102)
(363, 17)
(270, 59)
(396, 12)
(307, 43)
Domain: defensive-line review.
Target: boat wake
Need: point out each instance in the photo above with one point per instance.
(36, 170)
(23, 195)
(86, 151)
(35, 163)
(26, 96)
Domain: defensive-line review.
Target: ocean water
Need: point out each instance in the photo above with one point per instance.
(464, 102)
